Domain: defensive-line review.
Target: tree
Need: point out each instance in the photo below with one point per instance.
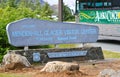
(46, 12)
(10, 12)
(11, 3)
(67, 14)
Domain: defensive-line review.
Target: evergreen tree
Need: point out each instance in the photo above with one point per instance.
(67, 14)
(46, 12)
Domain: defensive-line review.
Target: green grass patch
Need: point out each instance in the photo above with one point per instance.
(13, 75)
(67, 45)
(110, 54)
(64, 46)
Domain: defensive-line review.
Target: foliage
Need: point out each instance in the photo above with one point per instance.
(67, 14)
(11, 11)
(2, 52)
(46, 12)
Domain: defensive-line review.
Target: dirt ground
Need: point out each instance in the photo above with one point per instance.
(87, 69)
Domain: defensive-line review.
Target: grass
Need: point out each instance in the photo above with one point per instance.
(64, 46)
(111, 54)
(67, 45)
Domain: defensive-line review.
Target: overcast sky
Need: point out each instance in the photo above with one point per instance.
(70, 3)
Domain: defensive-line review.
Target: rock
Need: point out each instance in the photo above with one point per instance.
(117, 74)
(107, 73)
(58, 66)
(13, 66)
(11, 60)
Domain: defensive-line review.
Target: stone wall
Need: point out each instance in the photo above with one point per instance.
(93, 53)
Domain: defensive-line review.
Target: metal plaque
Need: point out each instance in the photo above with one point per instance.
(66, 54)
(33, 32)
(36, 57)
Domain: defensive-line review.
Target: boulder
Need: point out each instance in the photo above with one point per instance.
(107, 73)
(59, 66)
(13, 66)
(11, 60)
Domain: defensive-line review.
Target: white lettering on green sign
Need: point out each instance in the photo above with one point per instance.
(100, 16)
(108, 15)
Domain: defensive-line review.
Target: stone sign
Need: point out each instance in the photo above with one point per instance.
(66, 54)
(33, 32)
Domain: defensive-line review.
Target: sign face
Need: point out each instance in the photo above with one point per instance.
(36, 57)
(100, 16)
(33, 32)
(66, 54)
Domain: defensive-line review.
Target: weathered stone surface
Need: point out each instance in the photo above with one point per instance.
(59, 66)
(109, 73)
(94, 53)
(12, 60)
(13, 66)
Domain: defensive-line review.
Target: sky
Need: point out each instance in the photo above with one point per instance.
(70, 3)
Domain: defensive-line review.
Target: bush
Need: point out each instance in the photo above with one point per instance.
(9, 12)
(3, 51)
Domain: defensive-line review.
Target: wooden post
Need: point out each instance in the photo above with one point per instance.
(25, 49)
(60, 11)
(60, 14)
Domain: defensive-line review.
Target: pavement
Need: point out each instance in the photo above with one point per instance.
(110, 45)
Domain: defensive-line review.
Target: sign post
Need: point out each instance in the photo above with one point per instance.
(60, 10)
(33, 32)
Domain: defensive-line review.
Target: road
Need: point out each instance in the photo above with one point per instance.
(108, 45)
(105, 44)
